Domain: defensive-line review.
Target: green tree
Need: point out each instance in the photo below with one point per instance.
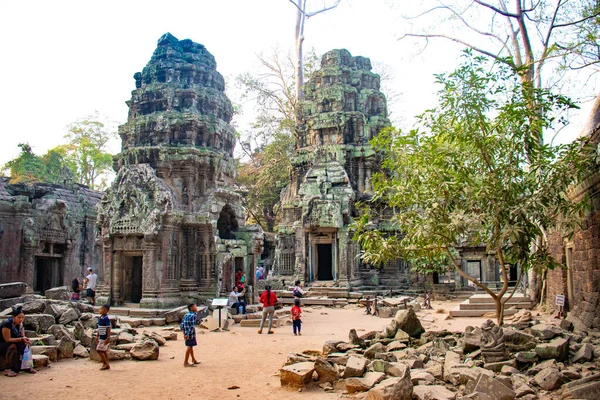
(87, 151)
(471, 173)
(27, 167)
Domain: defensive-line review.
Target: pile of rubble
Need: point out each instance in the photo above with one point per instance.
(528, 361)
(60, 329)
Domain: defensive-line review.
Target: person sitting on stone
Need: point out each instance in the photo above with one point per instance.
(235, 301)
(13, 342)
(297, 291)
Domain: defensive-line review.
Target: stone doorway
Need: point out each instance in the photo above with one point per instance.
(48, 273)
(473, 269)
(131, 282)
(324, 262)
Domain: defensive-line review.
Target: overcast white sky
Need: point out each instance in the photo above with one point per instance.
(63, 60)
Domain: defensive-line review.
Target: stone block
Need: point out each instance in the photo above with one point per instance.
(432, 392)
(296, 375)
(549, 379)
(584, 354)
(13, 289)
(50, 351)
(585, 388)
(546, 331)
(80, 351)
(421, 376)
(516, 340)
(58, 293)
(168, 335)
(39, 322)
(370, 379)
(144, 351)
(374, 349)
(497, 366)
(408, 321)
(174, 315)
(557, 349)
(493, 388)
(40, 361)
(56, 310)
(527, 357)
(65, 348)
(355, 367)
(125, 337)
(327, 371)
(34, 307)
(60, 331)
(330, 346)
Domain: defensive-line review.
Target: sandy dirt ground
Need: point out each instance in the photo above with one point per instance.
(240, 357)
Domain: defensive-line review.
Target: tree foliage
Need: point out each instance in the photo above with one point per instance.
(473, 173)
(28, 167)
(526, 35)
(87, 151)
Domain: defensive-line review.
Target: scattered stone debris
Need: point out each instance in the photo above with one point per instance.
(526, 360)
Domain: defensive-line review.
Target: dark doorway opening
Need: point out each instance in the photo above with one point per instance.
(436, 278)
(324, 264)
(47, 274)
(512, 275)
(136, 281)
(132, 278)
(227, 223)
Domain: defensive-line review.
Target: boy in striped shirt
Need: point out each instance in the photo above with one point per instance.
(103, 337)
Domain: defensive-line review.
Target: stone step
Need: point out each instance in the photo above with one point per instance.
(465, 305)
(40, 361)
(255, 323)
(486, 298)
(136, 322)
(311, 301)
(478, 313)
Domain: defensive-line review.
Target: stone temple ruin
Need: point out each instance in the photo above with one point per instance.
(172, 224)
(46, 232)
(332, 169)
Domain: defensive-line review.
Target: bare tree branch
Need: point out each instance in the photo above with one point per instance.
(496, 9)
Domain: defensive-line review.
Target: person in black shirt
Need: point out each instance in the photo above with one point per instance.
(13, 342)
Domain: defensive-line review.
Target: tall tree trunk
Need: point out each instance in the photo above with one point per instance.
(299, 41)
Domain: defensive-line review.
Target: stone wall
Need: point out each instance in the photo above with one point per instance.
(581, 254)
(46, 233)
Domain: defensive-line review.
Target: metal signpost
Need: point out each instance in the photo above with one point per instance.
(220, 304)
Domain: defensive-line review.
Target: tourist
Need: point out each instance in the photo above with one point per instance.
(268, 300)
(238, 277)
(103, 337)
(260, 273)
(90, 286)
(188, 327)
(298, 292)
(76, 287)
(235, 301)
(296, 314)
(13, 342)
(241, 285)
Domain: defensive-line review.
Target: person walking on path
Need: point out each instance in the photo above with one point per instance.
(13, 342)
(268, 300)
(188, 326)
(296, 317)
(103, 337)
(90, 286)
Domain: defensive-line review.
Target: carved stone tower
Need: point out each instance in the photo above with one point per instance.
(332, 168)
(172, 225)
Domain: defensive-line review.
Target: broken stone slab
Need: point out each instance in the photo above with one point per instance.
(58, 293)
(174, 315)
(408, 321)
(542, 365)
(433, 392)
(355, 367)
(402, 336)
(39, 323)
(584, 354)
(60, 331)
(497, 366)
(84, 307)
(65, 348)
(412, 363)
(156, 337)
(421, 377)
(398, 388)
(125, 337)
(144, 351)
(50, 351)
(56, 310)
(524, 390)
(436, 369)
(546, 331)
(344, 347)
(557, 349)
(374, 349)
(395, 346)
(338, 358)
(549, 379)
(451, 361)
(330, 346)
(327, 371)
(585, 388)
(527, 357)
(113, 354)
(296, 375)
(516, 340)
(493, 388)
(354, 385)
(80, 351)
(34, 307)
(40, 360)
(13, 289)
(472, 339)
(168, 335)
(72, 314)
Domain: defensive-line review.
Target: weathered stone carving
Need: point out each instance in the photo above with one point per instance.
(492, 338)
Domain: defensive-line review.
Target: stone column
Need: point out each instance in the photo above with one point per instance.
(368, 183)
(116, 278)
(151, 279)
(361, 176)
